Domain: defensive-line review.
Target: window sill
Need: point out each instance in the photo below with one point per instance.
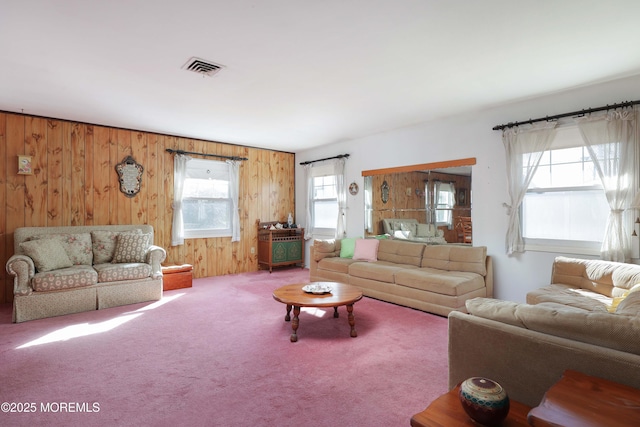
(565, 248)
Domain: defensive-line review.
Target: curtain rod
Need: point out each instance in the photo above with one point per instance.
(575, 113)
(170, 150)
(339, 156)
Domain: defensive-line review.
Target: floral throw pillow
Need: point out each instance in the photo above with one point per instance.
(47, 254)
(131, 248)
(104, 244)
(77, 246)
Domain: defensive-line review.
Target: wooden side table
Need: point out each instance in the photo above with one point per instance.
(446, 411)
(177, 277)
(580, 400)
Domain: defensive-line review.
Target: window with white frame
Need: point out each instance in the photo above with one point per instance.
(444, 203)
(565, 204)
(206, 200)
(324, 205)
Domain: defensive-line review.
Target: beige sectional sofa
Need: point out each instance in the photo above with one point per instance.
(412, 230)
(587, 319)
(432, 278)
(64, 270)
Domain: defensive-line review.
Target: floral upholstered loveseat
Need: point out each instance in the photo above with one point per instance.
(64, 270)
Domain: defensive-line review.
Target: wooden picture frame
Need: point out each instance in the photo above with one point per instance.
(25, 166)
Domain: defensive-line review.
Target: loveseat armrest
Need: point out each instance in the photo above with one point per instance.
(22, 269)
(155, 256)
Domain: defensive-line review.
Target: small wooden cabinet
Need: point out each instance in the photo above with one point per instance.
(279, 247)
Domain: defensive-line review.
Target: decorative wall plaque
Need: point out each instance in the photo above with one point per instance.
(385, 191)
(130, 175)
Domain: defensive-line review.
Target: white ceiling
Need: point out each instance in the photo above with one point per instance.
(302, 73)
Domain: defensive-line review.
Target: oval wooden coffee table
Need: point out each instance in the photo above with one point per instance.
(294, 296)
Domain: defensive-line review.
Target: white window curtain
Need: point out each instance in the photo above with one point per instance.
(524, 146)
(331, 167)
(341, 228)
(234, 186)
(308, 173)
(179, 175)
(368, 204)
(610, 139)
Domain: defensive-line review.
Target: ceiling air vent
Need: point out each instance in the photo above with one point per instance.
(200, 66)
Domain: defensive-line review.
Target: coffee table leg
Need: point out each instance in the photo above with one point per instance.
(352, 321)
(335, 312)
(287, 317)
(295, 323)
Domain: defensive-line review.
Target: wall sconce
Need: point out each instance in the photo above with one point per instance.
(24, 165)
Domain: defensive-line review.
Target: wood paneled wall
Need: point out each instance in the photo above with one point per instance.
(75, 183)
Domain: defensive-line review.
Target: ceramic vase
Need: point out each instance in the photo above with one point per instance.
(484, 400)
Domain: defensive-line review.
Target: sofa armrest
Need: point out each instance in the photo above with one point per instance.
(155, 256)
(22, 269)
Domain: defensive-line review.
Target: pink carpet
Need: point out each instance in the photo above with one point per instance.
(219, 354)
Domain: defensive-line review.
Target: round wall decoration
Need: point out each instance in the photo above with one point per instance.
(353, 188)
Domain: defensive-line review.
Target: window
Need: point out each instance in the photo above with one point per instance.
(326, 199)
(206, 200)
(565, 204)
(324, 211)
(445, 201)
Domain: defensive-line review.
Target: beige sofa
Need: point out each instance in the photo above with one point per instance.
(64, 270)
(432, 278)
(587, 319)
(412, 230)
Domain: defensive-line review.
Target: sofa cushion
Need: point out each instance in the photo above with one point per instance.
(452, 283)
(366, 250)
(456, 258)
(110, 272)
(498, 310)
(64, 278)
(608, 278)
(380, 271)
(504, 311)
(630, 305)
(131, 248)
(398, 252)
(103, 244)
(609, 330)
(425, 230)
(47, 254)
(347, 247)
(570, 296)
(76, 245)
(337, 264)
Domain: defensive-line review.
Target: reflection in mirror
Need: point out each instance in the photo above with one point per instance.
(425, 203)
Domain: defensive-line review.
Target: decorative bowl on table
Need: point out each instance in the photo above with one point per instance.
(484, 400)
(317, 288)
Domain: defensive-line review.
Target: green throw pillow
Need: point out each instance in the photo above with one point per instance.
(347, 247)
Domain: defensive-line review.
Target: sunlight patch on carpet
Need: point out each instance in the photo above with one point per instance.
(159, 303)
(314, 311)
(84, 329)
(81, 330)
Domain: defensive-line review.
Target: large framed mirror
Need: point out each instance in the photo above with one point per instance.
(429, 202)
